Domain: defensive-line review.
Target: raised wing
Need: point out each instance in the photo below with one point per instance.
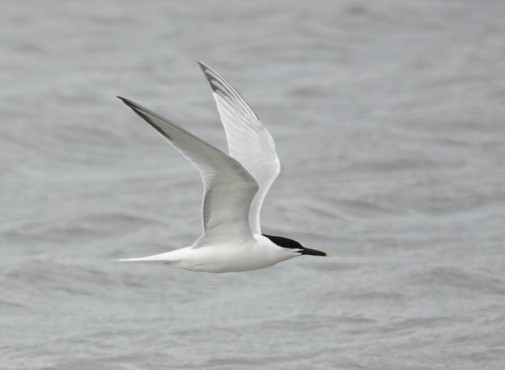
(228, 188)
(249, 142)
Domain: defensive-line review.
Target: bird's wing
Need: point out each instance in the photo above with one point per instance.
(228, 188)
(249, 142)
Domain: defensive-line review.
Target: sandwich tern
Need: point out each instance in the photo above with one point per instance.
(235, 186)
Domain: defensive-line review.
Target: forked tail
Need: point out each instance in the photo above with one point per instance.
(162, 257)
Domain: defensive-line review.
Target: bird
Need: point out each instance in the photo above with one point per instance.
(235, 186)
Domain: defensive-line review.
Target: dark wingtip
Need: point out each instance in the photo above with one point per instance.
(121, 98)
(207, 71)
(129, 103)
(201, 64)
(124, 100)
(142, 112)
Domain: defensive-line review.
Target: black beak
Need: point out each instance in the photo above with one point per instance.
(313, 252)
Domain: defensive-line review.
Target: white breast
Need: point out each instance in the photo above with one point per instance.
(226, 258)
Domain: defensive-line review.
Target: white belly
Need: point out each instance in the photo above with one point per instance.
(228, 258)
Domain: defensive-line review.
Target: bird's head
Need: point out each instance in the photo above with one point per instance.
(296, 246)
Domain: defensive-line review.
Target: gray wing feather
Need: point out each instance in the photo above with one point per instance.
(249, 142)
(228, 188)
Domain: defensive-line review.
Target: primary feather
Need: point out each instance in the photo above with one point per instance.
(228, 188)
(249, 142)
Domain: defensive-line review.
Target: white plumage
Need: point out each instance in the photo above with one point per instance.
(234, 185)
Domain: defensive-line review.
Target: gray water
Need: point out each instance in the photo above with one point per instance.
(389, 119)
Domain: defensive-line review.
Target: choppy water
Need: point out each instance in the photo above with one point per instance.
(389, 119)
